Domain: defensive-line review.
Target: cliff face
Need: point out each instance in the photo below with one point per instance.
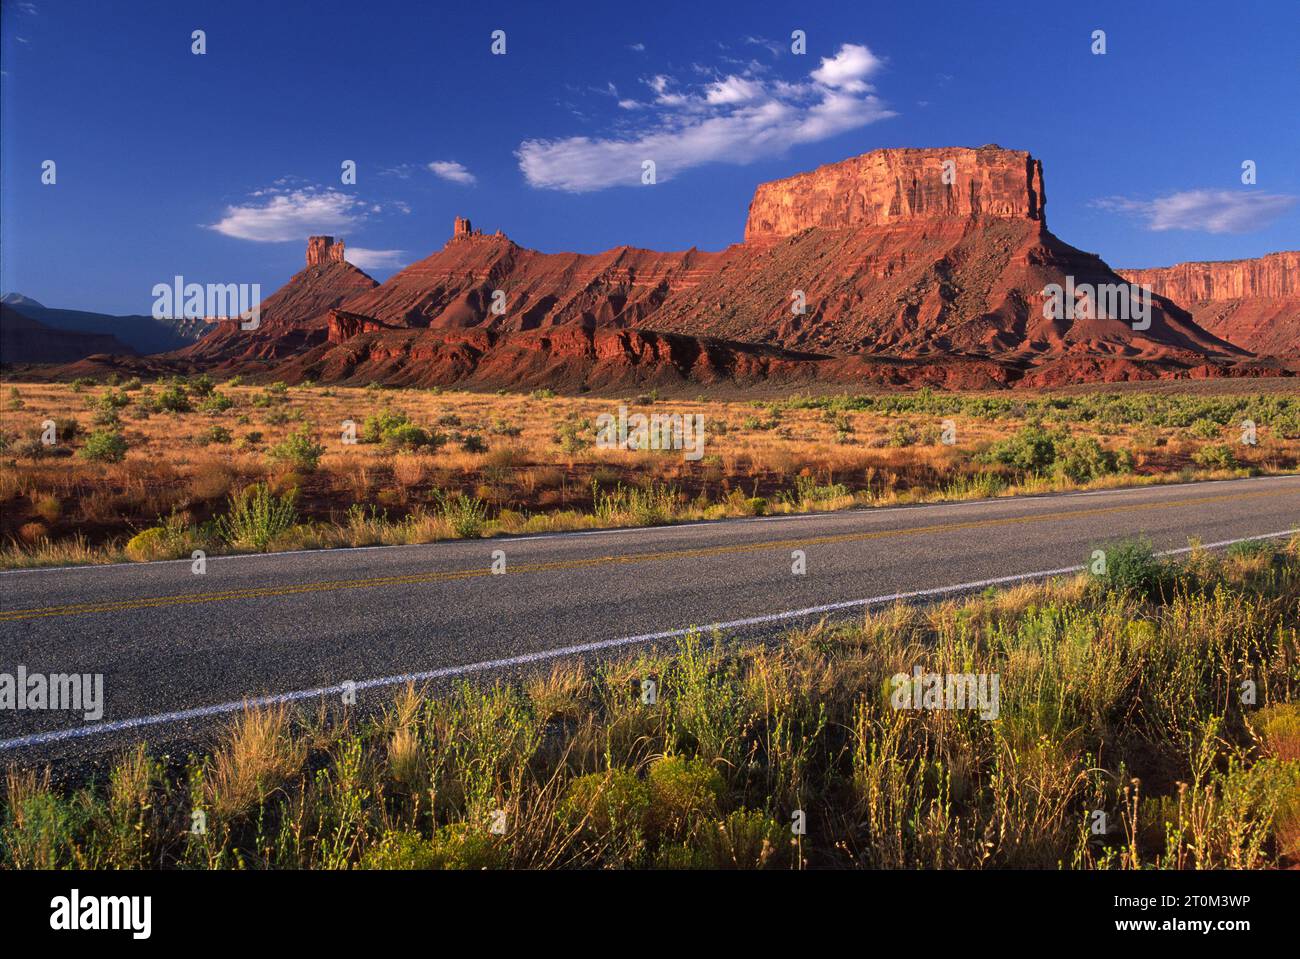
(900, 186)
(1274, 276)
(1254, 304)
(324, 249)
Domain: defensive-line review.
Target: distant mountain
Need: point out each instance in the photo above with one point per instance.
(1254, 304)
(142, 334)
(17, 300)
(25, 340)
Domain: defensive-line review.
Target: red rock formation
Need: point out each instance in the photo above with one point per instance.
(324, 249)
(1254, 304)
(904, 277)
(900, 186)
(292, 318)
(889, 259)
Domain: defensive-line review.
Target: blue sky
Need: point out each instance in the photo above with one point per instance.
(217, 167)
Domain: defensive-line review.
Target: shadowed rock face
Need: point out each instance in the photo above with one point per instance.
(1254, 304)
(24, 340)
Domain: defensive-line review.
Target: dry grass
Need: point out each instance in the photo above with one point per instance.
(1109, 701)
(532, 460)
(259, 757)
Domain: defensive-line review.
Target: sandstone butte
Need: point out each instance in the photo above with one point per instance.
(909, 277)
(292, 318)
(1254, 304)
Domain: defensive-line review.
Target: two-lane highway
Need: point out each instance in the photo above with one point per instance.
(178, 650)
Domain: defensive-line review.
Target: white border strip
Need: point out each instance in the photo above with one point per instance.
(221, 709)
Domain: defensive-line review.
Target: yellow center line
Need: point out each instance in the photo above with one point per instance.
(183, 599)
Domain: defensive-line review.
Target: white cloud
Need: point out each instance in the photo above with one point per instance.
(735, 119)
(291, 215)
(848, 69)
(365, 259)
(402, 171)
(733, 90)
(638, 47)
(771, 46)
(453, 171)
(1208, 211)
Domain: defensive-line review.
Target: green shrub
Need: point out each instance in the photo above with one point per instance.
(574, 436)
(1083, 459)
(394, 429)
(901, 435)
(113, 400)
(173, 399)
(1250, 548)
(1217, 456)
(104, 446)
(147, 544)
(452, 847)
(299, 449)
(683, 791)
(173, 539)
(465, 515)
(108, 419)
(216, 402)
(745, 839)
(1030, 450)
(1131, 566)
(255, 516)
(408, 436)
(215, 434)
(613, 802)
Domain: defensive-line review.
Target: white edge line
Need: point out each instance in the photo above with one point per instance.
(665, 528)
(201, 712)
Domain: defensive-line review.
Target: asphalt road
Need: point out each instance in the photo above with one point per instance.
(179, 652)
